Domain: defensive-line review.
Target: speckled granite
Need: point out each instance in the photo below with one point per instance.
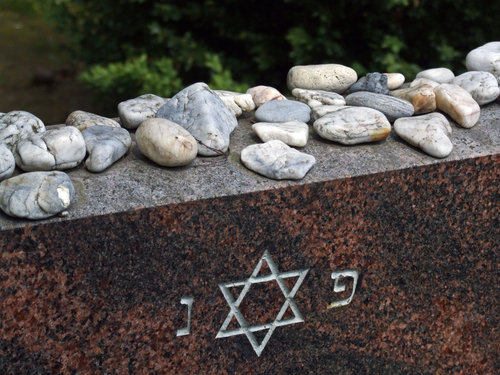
(100, 291)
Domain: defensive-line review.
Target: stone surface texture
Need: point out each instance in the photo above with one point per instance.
(353, 125)
(203, 114)
(274, 159)
(372, 82)
(482, 86)
(17, 125)
(392, 107)
(322, 110)
(283, 111)
(105, 145)
(328, 77)
(264, 94)
(318, 97)
(457, 103)
(292, 133)
(485, 59)
(421, 97)
(83, 120)
(431, 133)
(134, 112)
(7, 162)
(439, 75)
(423, 81)
(237, 102)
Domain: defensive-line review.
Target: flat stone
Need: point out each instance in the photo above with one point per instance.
(430, 132)
(320, 111)
(83, 120)
(17, 125)
(421, 97)
(353, 125)
(440, 75)
(134, 112)
(292, 133)
(392, 107)
(7, 162)
(264, 94)
(60, 148)
(274, 159)
(457, 103)
(237, 102)
(423, 81)
(203, 114)
(315, 98)
(373, 82)
(105, 145)
(482, 86)
(327, 77)
(485, 59)
(36, 195)
(166, 143)
(283, 111)
(394, 80)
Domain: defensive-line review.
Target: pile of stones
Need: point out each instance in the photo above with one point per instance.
(199, 121)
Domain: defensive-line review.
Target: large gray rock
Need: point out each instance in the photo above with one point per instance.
(105, 145)
(60, 148)
(83, 120)
(36, 195)
(7, 162)
(283, 111)
(134, 112)
(203, 114)
(17, 125)
(392, 107)
(274, 159)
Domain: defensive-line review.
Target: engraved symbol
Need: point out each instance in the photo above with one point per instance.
(253, 279)
(339, 288)
(189, 302)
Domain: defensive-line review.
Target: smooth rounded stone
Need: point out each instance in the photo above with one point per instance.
(83, 120)
(134, 112)
(392, 107)
(283, 111)
(17, 125)
(352, 125)
(372, 82)
(394, 80)
(60, 148)
(440, 75)
(430, 132)
(314, 98)
(274, 159)
(244, 102)
(166, 143)
(483, 86)
(485, 59)
(7, 162)
(203, 114)
(293, 133)
(423, 81)
(105, 145)
(264, 94)
(421, 97)
(320, 111)
(327, 77)
(458, 103)
(36, 195)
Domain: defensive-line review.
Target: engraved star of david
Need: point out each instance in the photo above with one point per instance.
(278, 322)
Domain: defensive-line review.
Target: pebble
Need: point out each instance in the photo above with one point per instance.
(352, 125)
(274, 159)
(283, 111)
(430, 132)
(83, 120)
(105, 145)
(17, 125)
(7, 162)
(203, 114)
(320, 111)
(328, 77)
(166, 143)
(315, 98)
(421, 97)
(373, 82)
(483, 86)
(264, 94)
(134, 112)
(423, 81)
(59, 148)
(36, 195)
(394, 80)
(392, 107)
(293, 133)
(440, 75)
(237, 102)
(457, 103)
(485, 59)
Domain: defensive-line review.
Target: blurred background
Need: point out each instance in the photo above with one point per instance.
(57, 56)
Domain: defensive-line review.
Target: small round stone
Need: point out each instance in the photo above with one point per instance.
(394, 80)
(283, 111)
(440, 75)
(166, 143)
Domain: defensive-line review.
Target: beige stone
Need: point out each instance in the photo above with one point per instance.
(264, 94)
(83, 120)
(421, 97)
(328, 77)
(423, 81)
(457, 103)
(394, 80)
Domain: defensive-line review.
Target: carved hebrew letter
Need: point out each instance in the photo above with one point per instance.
(189, 302)
(338, 287)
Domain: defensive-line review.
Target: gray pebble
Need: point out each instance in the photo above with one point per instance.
(373, 82)
(392, 107)
(283, 111)
(134, 112)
